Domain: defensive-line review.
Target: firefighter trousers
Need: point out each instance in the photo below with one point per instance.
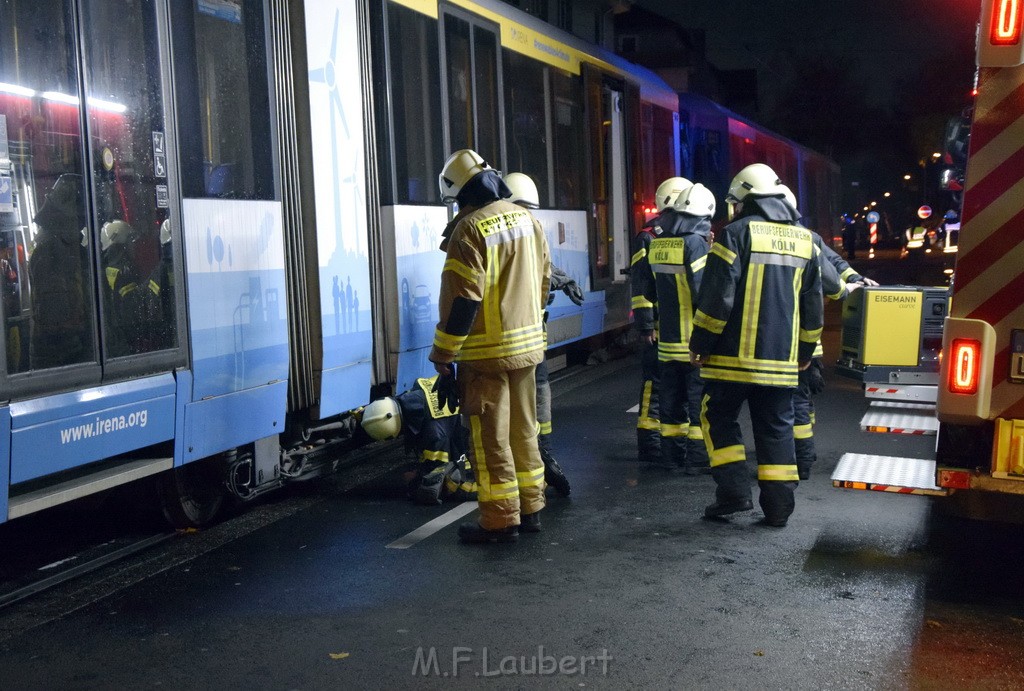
(803, 429)
(696, 454)
(674, 403)
(499, 408)
(771, 416)
(543, 406)
(648, 424)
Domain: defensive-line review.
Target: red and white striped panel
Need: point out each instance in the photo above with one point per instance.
(989, 282)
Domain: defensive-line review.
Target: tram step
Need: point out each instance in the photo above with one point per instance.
(37, 500)
(898, 417)
(886, 474)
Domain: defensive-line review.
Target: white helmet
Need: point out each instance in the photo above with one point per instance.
(115, 232)
(524, 190)
(667, 192)
(790, 198)
(696, 201)
(461, 167)
(756, 179)
(382, 419)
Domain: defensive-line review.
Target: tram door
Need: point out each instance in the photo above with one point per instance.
(612, 102)
(85, 146)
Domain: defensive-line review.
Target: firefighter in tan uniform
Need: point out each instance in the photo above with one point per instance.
(494, 287)
(758, 320)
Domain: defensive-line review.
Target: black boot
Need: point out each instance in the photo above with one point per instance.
(529, 522)
(475, 534)
(724, 508)
(553, 474)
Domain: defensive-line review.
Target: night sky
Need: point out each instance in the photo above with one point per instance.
(870, 83)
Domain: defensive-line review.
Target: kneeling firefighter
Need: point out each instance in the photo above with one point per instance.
(434, 432)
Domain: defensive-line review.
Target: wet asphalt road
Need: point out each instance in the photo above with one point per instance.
(861, 590)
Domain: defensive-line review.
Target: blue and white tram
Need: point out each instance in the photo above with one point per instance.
(219, 221)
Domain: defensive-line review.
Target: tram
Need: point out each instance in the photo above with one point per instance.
(219, 222)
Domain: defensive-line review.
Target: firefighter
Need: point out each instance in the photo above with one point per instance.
(759, 317)
(494, 287)
(122, 290)
(676, 257)
(524, 193)
(431, 430)
(838, 279)
(645, 320)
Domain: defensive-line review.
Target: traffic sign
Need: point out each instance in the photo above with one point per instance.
(873, 217)
(924, 212)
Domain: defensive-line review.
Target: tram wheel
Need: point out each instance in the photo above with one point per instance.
(191, 496)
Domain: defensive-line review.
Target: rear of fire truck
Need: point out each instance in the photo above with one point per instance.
(979, 386)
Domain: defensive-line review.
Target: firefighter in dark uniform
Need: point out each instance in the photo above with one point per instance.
(121, 287)
(645, 320)
(759, 317)
(434, 432)
(676, 257)
(524, 193)
(838, 279)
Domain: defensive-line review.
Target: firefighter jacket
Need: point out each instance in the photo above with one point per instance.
(645, 311)
(832, 285)
(494, 288)
(433, 432)
(759, 311)
(676, 258)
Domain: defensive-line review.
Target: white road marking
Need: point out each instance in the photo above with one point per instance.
(431, 527)
(634, 409)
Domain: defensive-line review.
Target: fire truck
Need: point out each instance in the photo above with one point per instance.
(971, 393)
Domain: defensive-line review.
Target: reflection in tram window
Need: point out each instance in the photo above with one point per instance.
(526, 120)
(130, 171)
(46, 281)
(567, 139)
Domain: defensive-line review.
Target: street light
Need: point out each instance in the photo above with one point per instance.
(907, 176)
(887, 195)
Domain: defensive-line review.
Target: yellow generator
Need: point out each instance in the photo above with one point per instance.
(893, 334)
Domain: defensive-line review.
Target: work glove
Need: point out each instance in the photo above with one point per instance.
(447, 391)
(562, 281)
(814, 377)
(573, 290)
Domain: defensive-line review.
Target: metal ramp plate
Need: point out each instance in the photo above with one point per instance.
(898, 417)
(886, 474)
(901, 392)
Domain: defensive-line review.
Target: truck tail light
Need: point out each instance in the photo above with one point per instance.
(964, 366)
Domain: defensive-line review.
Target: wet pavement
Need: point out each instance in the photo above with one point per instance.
(626, 587)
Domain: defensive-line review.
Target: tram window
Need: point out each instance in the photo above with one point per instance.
(485, 64)
(662, 151)
(460, 85)
(127, 137)
(415, 104)
(474, 119)
(567, 134)
(47, 306)
(526, 120)
(223, 101)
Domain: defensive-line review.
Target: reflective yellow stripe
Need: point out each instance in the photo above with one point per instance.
(500, 351)
(704, 321)
(510, 336)
(818, 350)
(724, 252)
(728, 454)
(777, 473)
(747, 377)
(698, 264)
(753, 363)
(111, 276)
(544, 427)
(640, 302)
(127, 289)
(751, 311)
(810, 335)
(483, 476)
(492, 296)
(531, 478)
(448, 342)
(439, 456)
(457, 267)
(695, 432)
(670, 430)
(154, 287)
(847, 273)
(839, 293)
(794, 338)
(645, 421)
(803, 431)
(640, 254)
